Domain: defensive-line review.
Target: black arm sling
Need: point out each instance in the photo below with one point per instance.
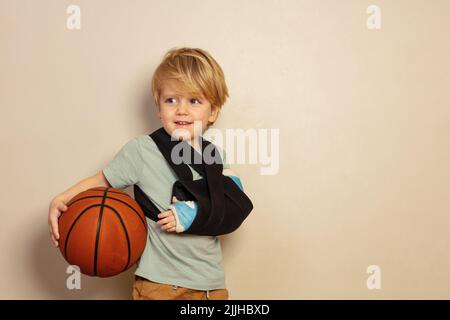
(222, 206)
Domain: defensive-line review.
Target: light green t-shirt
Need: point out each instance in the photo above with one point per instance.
(185, 260)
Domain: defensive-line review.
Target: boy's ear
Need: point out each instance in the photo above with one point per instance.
(214, 113)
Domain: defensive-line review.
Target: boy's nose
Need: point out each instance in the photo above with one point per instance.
(182, 108)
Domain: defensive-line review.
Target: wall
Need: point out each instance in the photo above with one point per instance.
(363, 118)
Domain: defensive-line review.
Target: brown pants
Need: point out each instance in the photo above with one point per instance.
(144, 289)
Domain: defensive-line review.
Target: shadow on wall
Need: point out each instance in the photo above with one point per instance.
(49, 268)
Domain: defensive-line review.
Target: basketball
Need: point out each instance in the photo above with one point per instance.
(103, 232)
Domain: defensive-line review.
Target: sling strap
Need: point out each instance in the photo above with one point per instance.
(222, 206)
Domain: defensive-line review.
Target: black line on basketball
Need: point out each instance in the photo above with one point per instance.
(99, 225)
(122, 193)
(109, 191)
(134, 210)
(126, 235)
(73, 224)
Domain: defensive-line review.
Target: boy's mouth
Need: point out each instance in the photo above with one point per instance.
(182, 123)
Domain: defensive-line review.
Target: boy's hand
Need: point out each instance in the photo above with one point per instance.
(167, 219)
(57, 206)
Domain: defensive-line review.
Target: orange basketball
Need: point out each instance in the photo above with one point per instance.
(103, 232)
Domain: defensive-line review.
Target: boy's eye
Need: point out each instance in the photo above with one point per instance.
(193, 100)
(169, 100)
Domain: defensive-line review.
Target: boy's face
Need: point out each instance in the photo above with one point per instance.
(180, 111)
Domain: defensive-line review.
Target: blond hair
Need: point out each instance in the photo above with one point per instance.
(196, 72)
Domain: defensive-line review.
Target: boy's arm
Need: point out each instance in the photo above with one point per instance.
(122, 171)
(97, 180)
(186, 211)
(58, 204)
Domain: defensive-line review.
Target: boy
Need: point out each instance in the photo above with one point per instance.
(183, 254)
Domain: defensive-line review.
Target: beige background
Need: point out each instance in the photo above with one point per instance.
(363, 115)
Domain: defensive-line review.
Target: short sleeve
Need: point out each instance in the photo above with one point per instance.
(126, 167)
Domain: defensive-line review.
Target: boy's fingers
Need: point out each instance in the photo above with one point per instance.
(166, 220)
(165, 214)
(55, 243)
(168, 226)
(54, 225)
